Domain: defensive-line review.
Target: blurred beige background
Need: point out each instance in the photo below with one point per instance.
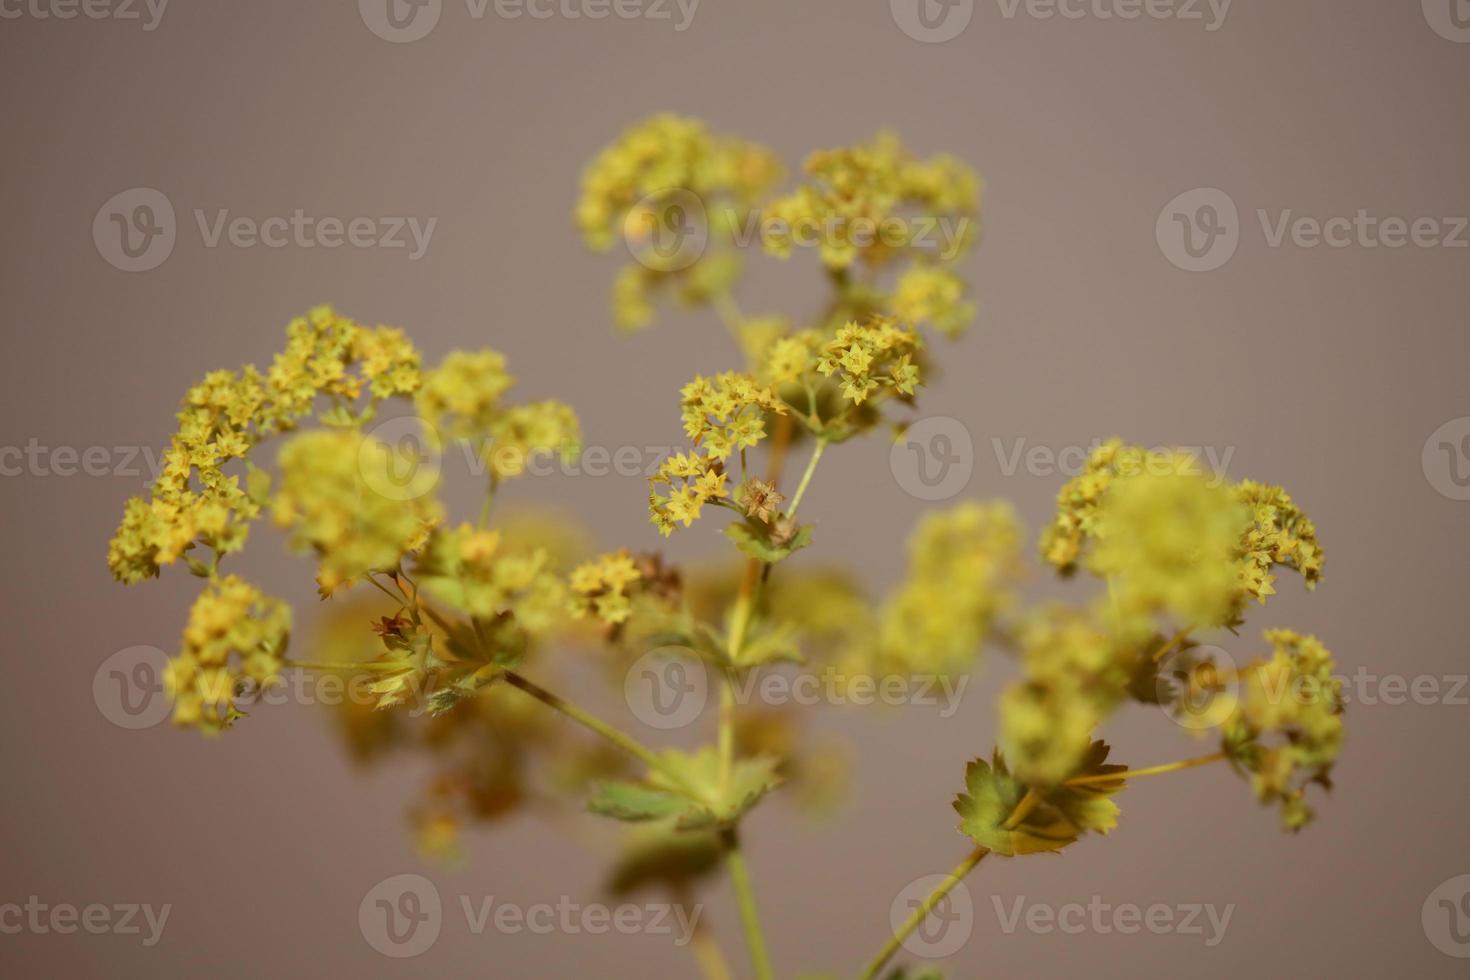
(1325, 369)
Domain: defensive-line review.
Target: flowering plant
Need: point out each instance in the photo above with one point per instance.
(446, 622)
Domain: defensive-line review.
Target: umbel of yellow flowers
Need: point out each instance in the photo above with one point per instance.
(456, 617)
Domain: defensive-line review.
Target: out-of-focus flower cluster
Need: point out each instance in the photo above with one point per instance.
(333, 505)
(1170, 539)
(964, 566)
(461, 399)
(866, 185)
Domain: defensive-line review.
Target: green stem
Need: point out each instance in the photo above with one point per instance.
(945, 887)
(740, 877)
(364, 665)
(1023, 809)
(1202, 760)
(727, 730)
(806, 478)
(623, 741)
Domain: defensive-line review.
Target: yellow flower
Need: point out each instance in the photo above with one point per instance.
(235, 635)
(337, 502)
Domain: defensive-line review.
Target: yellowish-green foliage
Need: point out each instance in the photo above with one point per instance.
(462, 616)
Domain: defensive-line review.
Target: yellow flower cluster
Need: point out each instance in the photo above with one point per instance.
(1287, 730)
(870, 186)
(662, 154)
(1076, 671)
(600, 587)
(671, 172)
(471, 570)
(224, 416)
(462, 399)
(1280, 534)
(722, 415)
(1174, 541)
(877, 354)
(1167, 541)
(235, 636)
(934, 295)
(964, 563)
(359, 503)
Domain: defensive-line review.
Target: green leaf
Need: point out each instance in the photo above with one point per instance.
(657, 854)
(759, 541)
(776, 643)
(1062, 816)
(635, 802)
(1091, 807)
(687, 787)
